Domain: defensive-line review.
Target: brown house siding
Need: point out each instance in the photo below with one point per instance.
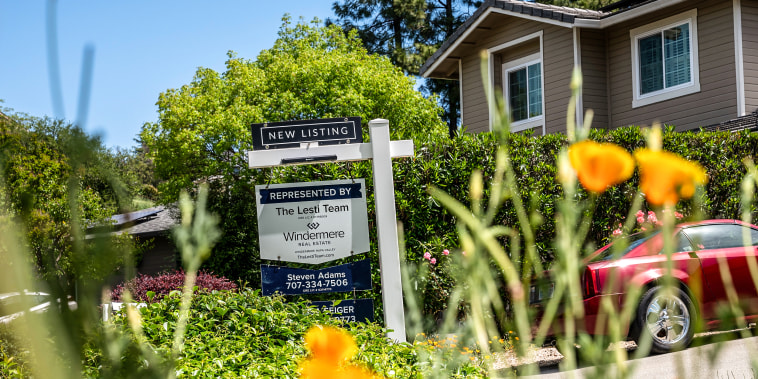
(716, 100)
(557, 51)
(162, 256)
(750, 53)
(558, 55)
(474, 103)
(595, 76)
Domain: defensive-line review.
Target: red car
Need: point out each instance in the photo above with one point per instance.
(670, 319)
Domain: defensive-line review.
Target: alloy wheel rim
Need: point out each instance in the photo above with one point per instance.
(667, 319)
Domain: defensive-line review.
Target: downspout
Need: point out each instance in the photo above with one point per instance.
(608, 109)
(738, 57)
(460, 87)
(578, 64)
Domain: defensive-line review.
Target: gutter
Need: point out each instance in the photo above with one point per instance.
(617, 18)
(570, 21)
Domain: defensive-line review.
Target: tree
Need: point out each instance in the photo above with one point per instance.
(408, 32)
(312, 71)
(136, 170)
(386, 27)
(54, 180)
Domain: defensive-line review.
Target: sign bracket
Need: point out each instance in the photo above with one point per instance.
(312, 159)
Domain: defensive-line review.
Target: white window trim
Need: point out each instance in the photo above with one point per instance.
(532, 122)
(672, 92)
(491, 74)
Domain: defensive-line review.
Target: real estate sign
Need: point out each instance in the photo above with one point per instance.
(290, 134)
(354, 276)
(360, 310)
(312, 222)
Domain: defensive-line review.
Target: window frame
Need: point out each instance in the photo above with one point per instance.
(693, 86)
(737, 233)
(516, 65)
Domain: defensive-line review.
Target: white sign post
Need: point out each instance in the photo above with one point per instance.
(381, 150)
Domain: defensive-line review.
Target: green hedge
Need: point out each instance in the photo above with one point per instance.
(242, 334)
(448, 164)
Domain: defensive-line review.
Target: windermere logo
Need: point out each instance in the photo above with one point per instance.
(313, 236)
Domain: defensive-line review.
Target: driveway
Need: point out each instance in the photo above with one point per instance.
(728, 360)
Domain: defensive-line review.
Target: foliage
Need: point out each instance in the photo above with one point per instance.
(386, 27)
(137, 171)
(42, 162)
(448, 164)
(236, 334)
(52, 343)
(534, 166)
(436, 280)
(153, 288)
(408, 32)
(501, 273)
(13, 356)
(203, 130)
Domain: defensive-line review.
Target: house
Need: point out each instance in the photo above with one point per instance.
(152, 225)
(687, 63)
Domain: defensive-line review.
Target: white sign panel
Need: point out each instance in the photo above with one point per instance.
(312, 222)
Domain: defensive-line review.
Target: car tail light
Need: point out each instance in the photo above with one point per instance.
(591, 285)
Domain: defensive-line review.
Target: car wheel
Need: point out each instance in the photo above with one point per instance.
(667, 318)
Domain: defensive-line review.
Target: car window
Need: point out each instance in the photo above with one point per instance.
(719, 236)
(683, 243)
(633, 240)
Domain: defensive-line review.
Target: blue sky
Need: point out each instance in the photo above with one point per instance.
(141, 48)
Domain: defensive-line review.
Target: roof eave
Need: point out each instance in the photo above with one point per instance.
(576, 22)
(475, 24)
(617, 18)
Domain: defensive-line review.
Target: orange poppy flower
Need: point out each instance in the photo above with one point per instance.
(600, 165)
(665, 177)
(330, 349)
(330, 344)
(319, 369)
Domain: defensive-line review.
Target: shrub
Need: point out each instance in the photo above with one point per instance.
(448, 163)
(153, 288)
(13, 357)
(244, 334)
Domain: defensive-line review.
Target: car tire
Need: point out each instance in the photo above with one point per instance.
(667, 319)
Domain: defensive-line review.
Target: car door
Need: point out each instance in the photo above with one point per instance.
(720, 249)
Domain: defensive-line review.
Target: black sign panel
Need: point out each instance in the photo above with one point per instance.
(289, 134)
(276, 195)
(360, 310)
(299, 281)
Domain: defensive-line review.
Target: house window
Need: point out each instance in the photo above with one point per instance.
(523, 92)
(664, 59)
